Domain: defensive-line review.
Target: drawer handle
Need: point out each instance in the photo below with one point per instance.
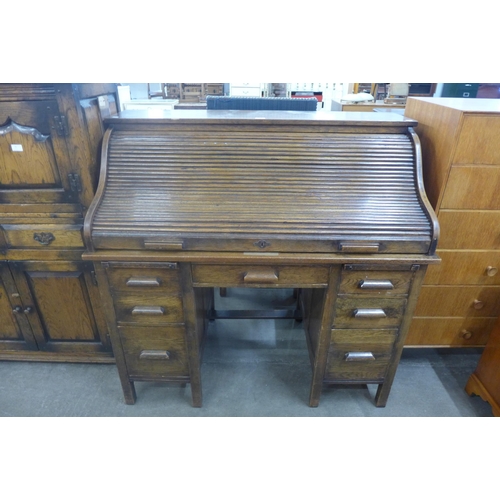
(491, 271)
(148, 310)
(151, 354)
(369, 313)
(466, 334)
(376, 284)
(359, 356)
(143, 282)
(260, 277)
(44, 238)
(164, 245)
(358, 247)
(478, 304)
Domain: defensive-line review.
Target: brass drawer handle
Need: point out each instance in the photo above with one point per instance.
(143, 282)
(369, 313)
(164, 245)
(151, 354)
(376, 285)
(359, 356)
(466, 334)
(148, 310)
(261, 277)
(44, 238)
(478, 304)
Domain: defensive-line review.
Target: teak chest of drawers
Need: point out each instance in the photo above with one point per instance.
(329, 204)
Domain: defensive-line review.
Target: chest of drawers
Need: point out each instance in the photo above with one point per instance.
(332, 207)
(459, 300)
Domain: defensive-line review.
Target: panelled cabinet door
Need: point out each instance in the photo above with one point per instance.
(34, 161)
(15, 331)
(61, 301)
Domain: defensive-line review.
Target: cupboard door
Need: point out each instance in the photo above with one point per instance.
(62, 304)
(15, 331)
(34, 161)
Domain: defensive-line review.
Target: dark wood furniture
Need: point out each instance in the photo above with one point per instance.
(485, 381)
(460, 298)
(331, 204)
(49, 159)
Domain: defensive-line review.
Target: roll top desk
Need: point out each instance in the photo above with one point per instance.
(329, 204)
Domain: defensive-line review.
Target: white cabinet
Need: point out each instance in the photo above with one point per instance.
(245, 90)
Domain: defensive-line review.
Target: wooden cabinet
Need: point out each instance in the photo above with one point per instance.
(50, 137)
(460, 298)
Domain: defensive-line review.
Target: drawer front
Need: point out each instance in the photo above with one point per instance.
(245, 91)
(360, 355)
(154, 352)
(460, 301)
(245, 85)
(469, 229)
(453, 332)
(473, 188)
(144, 278)
(375, 283)
(465, 268)
(43, 236)
(361, 312)
(148, 309)
(260, 276)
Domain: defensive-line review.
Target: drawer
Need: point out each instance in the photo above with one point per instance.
(43, 236)
(245, 85)
(360, 355)
(461, 301)
(148, 309)
(260, 276)
(465, 268)
(375, 283)
(154, 352)
(163, 278)
(361, 312)
(473, 187)
(461, 229)
(245, 92)
(453, 332)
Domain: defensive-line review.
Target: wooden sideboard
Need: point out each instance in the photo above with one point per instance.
(460, 299)
(49, 160)
(331, 204)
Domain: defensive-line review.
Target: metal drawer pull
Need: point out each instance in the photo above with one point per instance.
(359, 247)
(376, 284)
(369, 313)
(143, 282)
(152, 310)
(359, 356)
(260, 277)
(164, 245)
(150, 354)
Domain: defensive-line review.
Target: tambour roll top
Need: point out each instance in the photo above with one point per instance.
(262, 182)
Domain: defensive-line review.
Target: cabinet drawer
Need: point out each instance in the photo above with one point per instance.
(461, 229)
(43, 236)
(154, 352)
(453, 332)
(148, 309)
(375, 282)
(465, 268)
(360, 355)
(361, 312)
(473, 187)
(458, 301)
(147, 278)
(260, 276)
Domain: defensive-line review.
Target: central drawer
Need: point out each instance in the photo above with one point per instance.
(260, 276)
(360, 355)
(154, 352)
(361, 312)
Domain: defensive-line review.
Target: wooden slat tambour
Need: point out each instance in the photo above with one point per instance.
(204, 181)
